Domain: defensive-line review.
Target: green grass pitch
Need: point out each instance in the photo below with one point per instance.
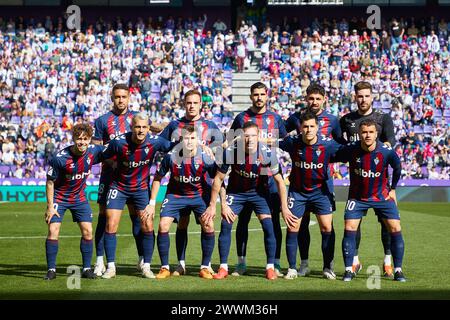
(22, 262)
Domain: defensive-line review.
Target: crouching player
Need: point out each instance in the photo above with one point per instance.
(188, 190)
(369, 160)
(248, 184)
(309, 191)
(66, 181)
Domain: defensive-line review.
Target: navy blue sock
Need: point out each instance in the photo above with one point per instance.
(328, 248)
(51, 250)
(137, 233)
(348, 247)
(269, 240)
(148, 244)
(304, 238)
(291, 248)
(386, 239)
(181, 240)
(208, 240)
(397, 248)
(242, 232)
(163, 247)
(86, 248)
(110, 246)
(277, 231)
(100, 236)
(224, 240)
(358, 238)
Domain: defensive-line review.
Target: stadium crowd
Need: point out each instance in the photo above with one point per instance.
(51, 78)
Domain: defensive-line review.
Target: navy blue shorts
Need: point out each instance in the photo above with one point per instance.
(253, 201)
(117, 199)
(356, 209)
(176, 206)
(318, 202)
(81, 212)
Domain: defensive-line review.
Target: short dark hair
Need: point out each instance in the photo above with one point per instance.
(250, 124)
(120, 86)
(368, 123)
(363, 85)
(81, 128)
(258, 85)
(308, 115)
(315, 88)
(188, 129)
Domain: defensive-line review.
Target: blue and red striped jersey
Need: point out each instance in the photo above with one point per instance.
(329, 126)
(110, 125)
(269, 123)
(208, 132)
(134, 160)
(69, 172)
(310, 168)
(251, 173)
(188, 176)
(369, 176)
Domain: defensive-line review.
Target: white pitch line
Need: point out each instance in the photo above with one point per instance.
(121, 235)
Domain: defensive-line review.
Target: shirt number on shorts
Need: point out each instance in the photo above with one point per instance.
(229, 200)
(164, 203)
(290, 202)
(55, 206)
(112, 194)
(350, 205)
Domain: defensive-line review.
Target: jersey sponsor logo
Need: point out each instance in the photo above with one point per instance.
(79, 176)
(367, 174)
(185, 179)
(246, 174)
(354, 137)
(133, 164)
(308, 165)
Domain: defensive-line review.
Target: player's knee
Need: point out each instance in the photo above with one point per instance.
(164, 226)
(111, 227)
(53, 231)
(208, 228)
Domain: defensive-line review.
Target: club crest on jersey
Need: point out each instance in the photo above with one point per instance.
(258, 162)
(128, 152)
(376, 161)
(322, 122)
(268, 121)
(88, 161)
(113, 123)
(146, 150)
(179, 166)
(129, 120)
(196, 166)
(72, 165)
(318, 152)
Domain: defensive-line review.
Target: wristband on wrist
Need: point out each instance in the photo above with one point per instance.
(152, 202)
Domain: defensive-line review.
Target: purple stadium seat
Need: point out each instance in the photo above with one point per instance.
(15, 120)
(418, 129)
(4, 170)
(438, 113)
(427, 129)
(226, 120)
(447, 113)
(377, 104)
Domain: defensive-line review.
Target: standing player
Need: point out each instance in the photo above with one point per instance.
(248, 185)
(210, 135)
(328, 128)
(66, 181)
(385, 127)
(107, 127)
(369, 161)
(271, 127)
(188, 189)
(135, 152)
(309, 190)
